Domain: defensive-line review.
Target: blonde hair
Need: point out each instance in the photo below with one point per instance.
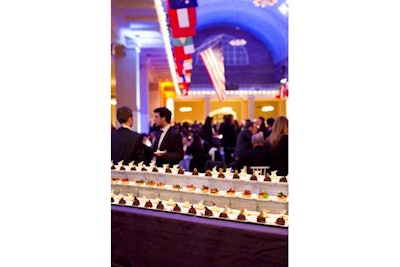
(280, 127)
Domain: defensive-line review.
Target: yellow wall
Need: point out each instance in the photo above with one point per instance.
(278, 104)
(197, 113)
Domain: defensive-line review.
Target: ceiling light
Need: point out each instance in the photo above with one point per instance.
(283, 80)
(113, 101)
(267, 108)
(237, 42)
(185, 109)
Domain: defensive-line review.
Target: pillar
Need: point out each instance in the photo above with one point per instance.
(144, 99)
(251, 107)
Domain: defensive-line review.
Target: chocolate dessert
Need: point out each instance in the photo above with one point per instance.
(168, 170)
(112, 200)
(160, 205)
(155, 169)
(253, 178)
(260, 218)
(133, 168)
(267, 177)
(122, 168)
(181, 171)
(192, 210)
(208, 173)
(122, 201)
(236, 175)
(283, 179)
(177, 208)
(241, 217)
(195, 172)
(135, 202)
(148, 204)
(221, 175)
(144, 169)
(208, 212)
(223, 215)
(280, 221)
(113, 167)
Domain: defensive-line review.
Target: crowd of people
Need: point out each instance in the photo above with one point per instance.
(203, 145)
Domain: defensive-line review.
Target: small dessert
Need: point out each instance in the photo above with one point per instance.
(186, 204)
(267, 178)
(151, 183)
(140, 182)
(208, 173)
(125, 181)
(241, 216)
(195, 172)
(160, 205)
(221, 174)
(133, 168)
(148, 204)
(176, 187)
(160, 184)
(143, 169)
(283, 179)
(281, 196)
(181, 171)
(263, 195)
(230, 192)
(236, 175)
(260, 217)
(122, 168)
(190, 187)
(113, 167)
(246, 193)
(192, 210)
(253, 178)
(280, 221)
(205, 189)
(135, 202)
(177, 208)
(112, 200)
(122, 201)
(154, 169)
(223, 215)
(114, 180)
(208, 212)
(214, 191)
(168, 170)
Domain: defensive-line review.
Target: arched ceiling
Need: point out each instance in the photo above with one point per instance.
(135, 23)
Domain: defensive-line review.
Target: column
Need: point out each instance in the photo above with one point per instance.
(207, 107)
(251, 107)
(128, 82)
(144, 99)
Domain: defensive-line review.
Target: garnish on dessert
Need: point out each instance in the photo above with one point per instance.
(176, 186)
(281, 195)
(264, 195)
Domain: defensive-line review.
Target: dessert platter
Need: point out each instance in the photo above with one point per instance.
(236, 192)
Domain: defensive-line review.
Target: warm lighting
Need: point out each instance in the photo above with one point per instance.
(237, 42)
(113, 101)
(267, 108)
(185, 109)
(226, 109)
(264, 3)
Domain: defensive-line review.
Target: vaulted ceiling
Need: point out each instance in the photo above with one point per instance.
(135, 23)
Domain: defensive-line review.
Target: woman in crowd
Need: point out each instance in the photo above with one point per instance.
(277, 146)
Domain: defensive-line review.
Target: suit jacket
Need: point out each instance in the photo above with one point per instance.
(126, 145)
(172, 143)
(280, 157)
(254, 157)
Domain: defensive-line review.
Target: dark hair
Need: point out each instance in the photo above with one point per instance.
(208, 120)
(262, 119)
(123, 114)
(164, 113)
(270, 121)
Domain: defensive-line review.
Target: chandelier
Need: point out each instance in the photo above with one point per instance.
(264, 3)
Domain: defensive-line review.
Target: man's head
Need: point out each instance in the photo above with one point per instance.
(162, 116)
(124, 116)
(251, 126)
(257, 139)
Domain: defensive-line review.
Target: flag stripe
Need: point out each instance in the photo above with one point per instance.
(215, 69)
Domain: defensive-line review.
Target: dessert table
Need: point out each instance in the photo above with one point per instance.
(142, 237)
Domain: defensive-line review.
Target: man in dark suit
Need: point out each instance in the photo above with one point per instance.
(126, 144)
(168, 146)
(257, 156)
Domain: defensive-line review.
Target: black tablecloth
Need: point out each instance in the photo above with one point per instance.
(148, 238)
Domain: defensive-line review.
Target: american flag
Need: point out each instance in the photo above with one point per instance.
(214, 63)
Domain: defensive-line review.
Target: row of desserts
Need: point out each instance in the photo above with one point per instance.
(226, 213)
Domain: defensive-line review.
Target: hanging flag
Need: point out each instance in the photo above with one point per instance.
(186, 43)
(176, 4)
(214, 63)
(283, 91)
(185, 77)
(184, 88)
(182, 22)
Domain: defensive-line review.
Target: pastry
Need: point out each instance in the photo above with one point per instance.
(122, 201)
(143, 169)
(235, 175)
(263, 195)
(280, 221)
(260, 218)
(223, 215)
(208, 173)
(230, 192)
(168, 170)
(253, 178)
(148, 204)
(151, 183)
(177, 208)
(214, 191)
(181, 171)
(241, 216)
(190, 187)
(140, 182)
(160, 184)
(122, 168)
(125, 181)
(135, 202)
(192, 210)
(154, 169)
(281, 196)
(112, 200)
(283, 179)
(114, 180)
(176, 187)
(208, 212)
(195, 172)
(221, 174)
(113, 167)
(160, 205)
(267, 178)
(205, 189)
(246, 193)
(133, 168)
